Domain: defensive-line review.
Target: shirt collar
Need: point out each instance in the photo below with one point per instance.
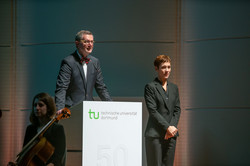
(157, 79)
(78, 54)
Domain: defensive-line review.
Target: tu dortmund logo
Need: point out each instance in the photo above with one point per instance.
(93, 115)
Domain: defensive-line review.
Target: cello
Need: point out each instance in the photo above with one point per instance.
(39, 148)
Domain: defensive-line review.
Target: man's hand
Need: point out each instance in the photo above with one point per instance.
(58, 112)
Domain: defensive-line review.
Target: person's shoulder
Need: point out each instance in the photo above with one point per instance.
(70, 57)
(56, 124)
(92, 58)
(31, 127)
(58, 128)
(152, 83)
(171, 84)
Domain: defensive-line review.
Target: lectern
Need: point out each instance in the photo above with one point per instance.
(105, 134)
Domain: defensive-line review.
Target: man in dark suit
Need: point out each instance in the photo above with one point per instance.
(79, 74)
(163, 104)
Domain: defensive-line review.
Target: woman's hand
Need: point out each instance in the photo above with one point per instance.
(171, 131)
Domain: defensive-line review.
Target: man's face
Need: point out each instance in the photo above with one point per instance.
(86, 45)
(163, 70)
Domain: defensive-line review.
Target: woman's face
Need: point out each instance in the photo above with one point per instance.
(40, 109)
(163, 70)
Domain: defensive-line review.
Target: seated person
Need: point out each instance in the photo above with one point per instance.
(43, 110)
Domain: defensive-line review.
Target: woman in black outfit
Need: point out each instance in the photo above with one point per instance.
(163, 104)
(43, 110)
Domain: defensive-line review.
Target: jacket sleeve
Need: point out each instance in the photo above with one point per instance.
(59, 142)
(177, 110)
(151, 103)
(62, 84)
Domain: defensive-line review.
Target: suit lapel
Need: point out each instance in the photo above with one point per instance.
(162, 93)
(80, 68)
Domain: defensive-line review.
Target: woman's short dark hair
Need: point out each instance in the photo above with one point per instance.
(161, 59)
(48, 101)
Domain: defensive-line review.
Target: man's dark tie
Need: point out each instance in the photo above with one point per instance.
(85, 59)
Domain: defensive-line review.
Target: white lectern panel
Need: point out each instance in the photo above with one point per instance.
(112, 133)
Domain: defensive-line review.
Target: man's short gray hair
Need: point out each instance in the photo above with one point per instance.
(80, 33)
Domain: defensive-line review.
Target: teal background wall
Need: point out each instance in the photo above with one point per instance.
(215, 64)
